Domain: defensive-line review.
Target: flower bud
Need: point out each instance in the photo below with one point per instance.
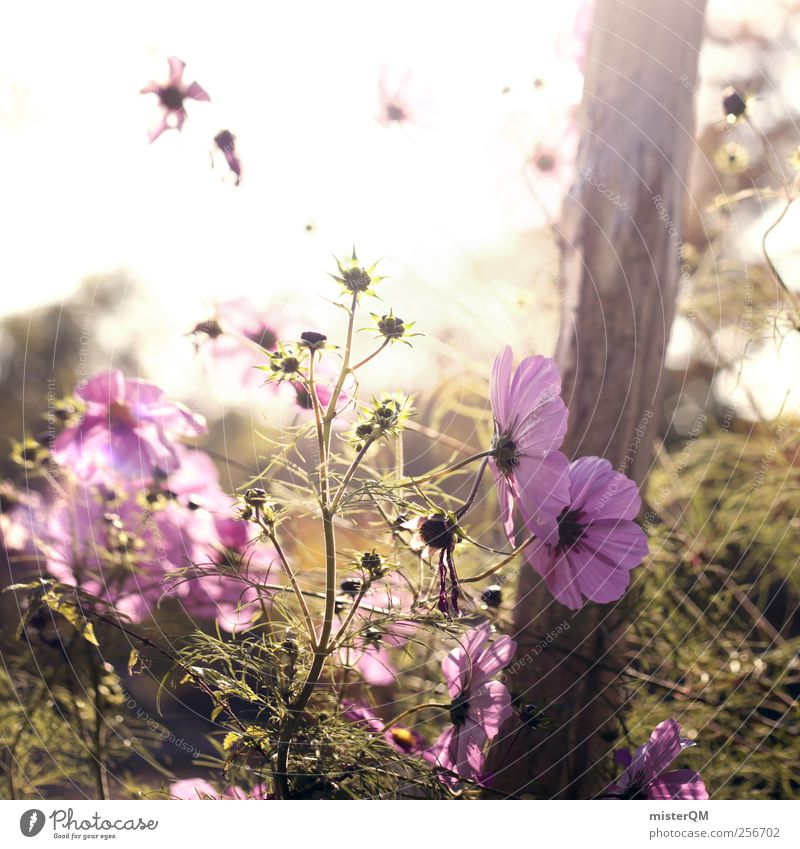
(351, 586)
(391, 326)
(492, 596)
(313, 340)
(734, 104)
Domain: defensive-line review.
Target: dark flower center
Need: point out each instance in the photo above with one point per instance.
(733, 103)
(267, 338)
(633, 791)
(505, 453)
(436, 533)
(545, 162)
(395, 113)
(224, 140)
(570, 530)
(171, 97)
(121, 414)
(459, 709)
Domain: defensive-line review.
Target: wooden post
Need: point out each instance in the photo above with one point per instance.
(620, 270)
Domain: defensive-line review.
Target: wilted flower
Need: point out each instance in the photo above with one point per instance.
(439, 532)
(530, 423)
(225, 142)
(595, 543)
(646, 776)
(479, 705)
(171, 95)
(129, 427)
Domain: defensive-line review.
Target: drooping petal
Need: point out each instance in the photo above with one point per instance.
(196, 92)
(176, 67)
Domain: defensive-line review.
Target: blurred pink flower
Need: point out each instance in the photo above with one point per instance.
(479, 705)
(646, 776)
(199, 788)
(228, 343)
(171, 96)
(129, 428)
(402, 101)
(530, 423)
(596, 542)
(21, 514)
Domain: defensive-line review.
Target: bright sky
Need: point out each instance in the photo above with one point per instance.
(297, 84)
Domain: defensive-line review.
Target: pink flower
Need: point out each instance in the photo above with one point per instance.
(199, 788)
(128, 428)
(407, 741)
(646, 776)
(596, 542)
(171, 95)
(370, 650)
(479, 707)
(228, 343)
(530, 422)
(21, 514)
(401, 101)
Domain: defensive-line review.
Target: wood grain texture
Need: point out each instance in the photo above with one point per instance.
(620, 272)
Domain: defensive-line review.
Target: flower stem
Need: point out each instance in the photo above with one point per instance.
(505, 561)
(309, 622)
(414, 709)
(474, 491)
(371, 356)
(438, 473)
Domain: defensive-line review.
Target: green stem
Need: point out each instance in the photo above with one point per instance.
(414, 709)
(438, 473)
(506, 560)
(309, 622)
(371, 356)
(349, 474)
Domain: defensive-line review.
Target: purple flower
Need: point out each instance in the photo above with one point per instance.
(479, 706)
(530, 423)
(646, 776)
(171, 95)
(199, 788)
(128, 427)
(596, 542)
(225, 142)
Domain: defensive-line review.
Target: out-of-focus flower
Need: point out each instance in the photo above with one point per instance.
(128, 428)
(405, 740)
(439, 532)
(530, 424)
(596, 542)
(731, 158)
(734, 104)
(370, 651)
(21, 514)
(171, 96)
(199, 788)
(646, 776)
(479, 705)
(403, 102)
(225, 143)
(228, 344)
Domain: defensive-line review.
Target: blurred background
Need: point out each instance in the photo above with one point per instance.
(441, 138)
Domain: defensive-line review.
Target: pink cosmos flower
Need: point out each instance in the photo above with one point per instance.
(128, 428)
(199, 788)
(171, 95)
(530, 422)
(480, 706)
(646, 776)
(407, 741)
(370, 651)
(223, 343)
(595, 543)
(402, 101)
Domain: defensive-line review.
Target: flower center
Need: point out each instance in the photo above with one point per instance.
(505, 453)
(403, 738)
(545, 162)
(171, 97)
(120, 413)
(395, 113)
(436, 533)
(570, 530)
(459, 709)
